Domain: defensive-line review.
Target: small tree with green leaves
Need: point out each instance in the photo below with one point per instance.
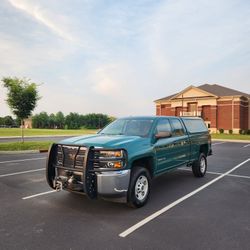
(22, 97)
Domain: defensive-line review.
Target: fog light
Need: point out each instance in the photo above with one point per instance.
(117, 164)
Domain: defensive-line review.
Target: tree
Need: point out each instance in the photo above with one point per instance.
(60, 120)
(72, 121)
(43, 120)
(52, 121)
(22, 97)
(95, 121)
(35, 121)
(8, 121)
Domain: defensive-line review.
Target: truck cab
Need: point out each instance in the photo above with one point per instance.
(120, 161)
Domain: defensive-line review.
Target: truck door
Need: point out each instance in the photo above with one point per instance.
(181, 144)
(164, 147)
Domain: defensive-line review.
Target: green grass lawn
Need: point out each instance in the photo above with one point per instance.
(17, 146)
(44, 145)
(35, 132)
(231, 137)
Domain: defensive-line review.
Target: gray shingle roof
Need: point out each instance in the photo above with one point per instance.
(214, 89)
(166, 98)
(221, 90)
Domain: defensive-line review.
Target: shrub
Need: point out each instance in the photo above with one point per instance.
(221, 130)
(244, 132)
(230, 131)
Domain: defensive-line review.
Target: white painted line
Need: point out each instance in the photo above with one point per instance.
(30, 159)
(218, 143)
(208, 172)
(217, 173)
(163, 210)
(239, 176)
(246, 146)
(23, 172)
(231, 175)
(40, 194)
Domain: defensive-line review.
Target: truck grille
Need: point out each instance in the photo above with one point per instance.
(70, 156)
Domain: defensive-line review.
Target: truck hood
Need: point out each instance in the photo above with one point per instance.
(105, 141)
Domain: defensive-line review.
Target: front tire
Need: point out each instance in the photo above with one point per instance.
(199, 167)
(139, 188)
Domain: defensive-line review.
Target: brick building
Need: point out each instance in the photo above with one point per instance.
(220, 107)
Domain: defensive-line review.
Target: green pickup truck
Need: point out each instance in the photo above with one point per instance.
(119, 162)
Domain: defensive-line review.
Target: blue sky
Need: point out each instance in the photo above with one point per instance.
(117, 57)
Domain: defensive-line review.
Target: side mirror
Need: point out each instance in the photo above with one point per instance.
(161, 135)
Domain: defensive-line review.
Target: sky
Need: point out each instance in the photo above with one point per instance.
(117, 57)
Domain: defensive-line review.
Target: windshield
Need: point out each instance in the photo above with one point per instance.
(131, 127)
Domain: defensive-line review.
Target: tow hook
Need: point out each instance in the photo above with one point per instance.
(59, 186)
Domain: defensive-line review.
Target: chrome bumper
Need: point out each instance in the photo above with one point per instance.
(113, 184)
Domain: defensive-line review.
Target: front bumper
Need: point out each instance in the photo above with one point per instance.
(113, 184)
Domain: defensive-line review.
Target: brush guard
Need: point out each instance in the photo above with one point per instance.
(68, 169)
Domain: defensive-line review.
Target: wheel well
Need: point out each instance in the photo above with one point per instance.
(204, 149)
(146, 162)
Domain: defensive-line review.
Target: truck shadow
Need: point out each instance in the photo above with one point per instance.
(165, 189)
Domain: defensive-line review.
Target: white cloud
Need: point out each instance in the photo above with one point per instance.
(43, 16)
(21, 59)
(104, 80)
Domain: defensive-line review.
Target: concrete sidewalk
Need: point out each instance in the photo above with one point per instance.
(231, 140)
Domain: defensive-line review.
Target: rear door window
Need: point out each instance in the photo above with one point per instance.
(195, 126)
(178, 129)
(163, 125)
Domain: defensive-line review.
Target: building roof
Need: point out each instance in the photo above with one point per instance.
(221, 90)
(214, 89)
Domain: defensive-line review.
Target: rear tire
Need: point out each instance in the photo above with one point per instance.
(199, 167)
(139, 188)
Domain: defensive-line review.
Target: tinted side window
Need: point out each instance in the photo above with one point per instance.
(194, 126)
(178, 129)
(163, 125)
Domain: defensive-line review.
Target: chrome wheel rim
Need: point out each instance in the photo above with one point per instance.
(203, 165)
(141, 188)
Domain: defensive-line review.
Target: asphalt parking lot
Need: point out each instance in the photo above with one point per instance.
(208, 213)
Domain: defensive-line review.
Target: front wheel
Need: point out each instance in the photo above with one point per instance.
(139, 188)
(199, 166)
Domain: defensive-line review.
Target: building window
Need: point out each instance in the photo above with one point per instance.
(192, 107)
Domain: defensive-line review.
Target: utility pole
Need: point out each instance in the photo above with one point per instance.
(182, 104)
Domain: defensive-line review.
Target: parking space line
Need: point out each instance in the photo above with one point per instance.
(40, 194)
(175, 203)
(239, 176)
(218, 173)
(29, 159)
(22, 172)
(246, 146)
(218, 143)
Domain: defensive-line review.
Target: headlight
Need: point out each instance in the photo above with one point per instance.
(111, 154)
(115, 159)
